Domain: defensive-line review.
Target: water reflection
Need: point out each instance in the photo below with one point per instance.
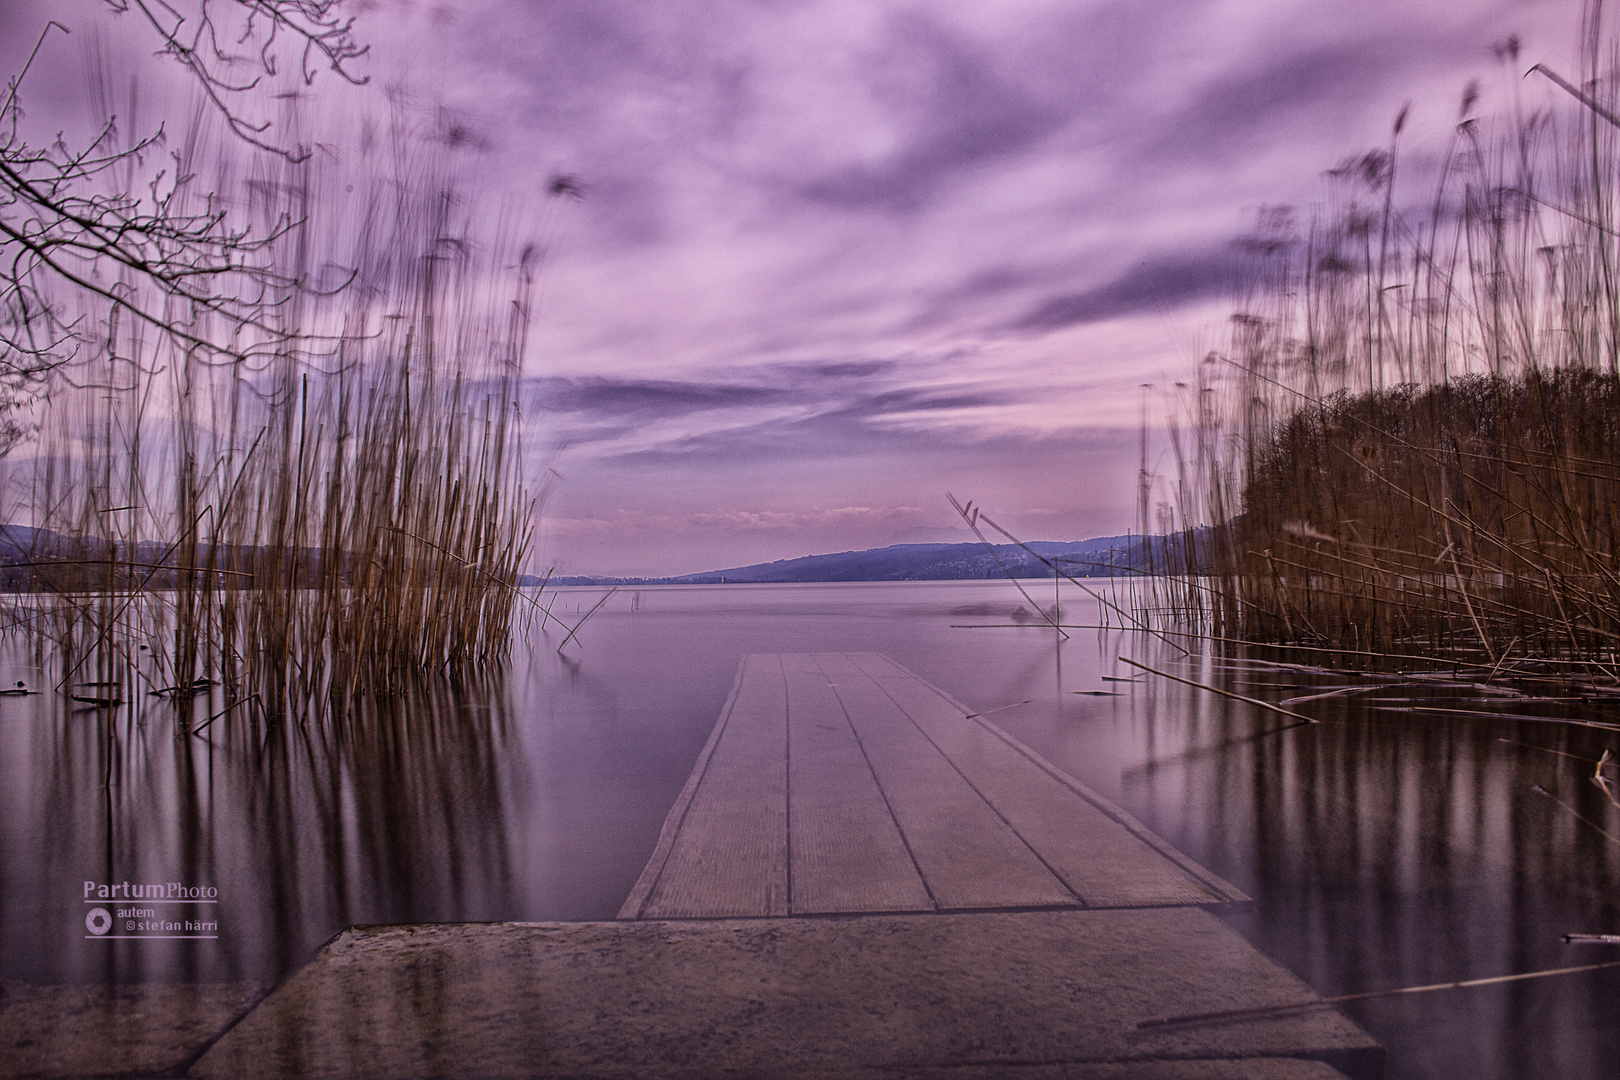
(399, 813)
(1400, 852)
(1384, 849)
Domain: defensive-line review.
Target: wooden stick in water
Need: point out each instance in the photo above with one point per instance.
(1603, 783)
(222, 712)
(1224, 693)
(1607, 835)
(1547, 750)
(1262, 1010)
(587, 615)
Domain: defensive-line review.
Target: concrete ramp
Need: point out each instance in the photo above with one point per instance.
(1039, 994)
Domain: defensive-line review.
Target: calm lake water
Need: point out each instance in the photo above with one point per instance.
(1383, 849)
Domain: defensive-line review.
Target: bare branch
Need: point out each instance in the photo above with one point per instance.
(92, 230)
(192, 40)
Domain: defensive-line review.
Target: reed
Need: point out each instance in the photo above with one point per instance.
(328, 510)
(1410, 441)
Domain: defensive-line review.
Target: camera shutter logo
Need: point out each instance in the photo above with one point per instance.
(98, 921)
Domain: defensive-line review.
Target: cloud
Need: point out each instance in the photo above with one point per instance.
(810, 420)
(838, 254)
(674, 514)
(786, 410)
(599, 396)
(955, 111)
(795, 520)
(1162, 282)
(857, 369)
(1245, 105)
(752, 520)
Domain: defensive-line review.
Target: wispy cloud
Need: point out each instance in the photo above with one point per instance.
(1158, 283)
(846, 253)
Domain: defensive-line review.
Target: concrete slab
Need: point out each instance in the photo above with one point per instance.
(1244, 1069)
(1039, 994)
(146, 1028)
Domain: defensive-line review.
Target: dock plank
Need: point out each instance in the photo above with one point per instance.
(730, 855)
(969, 856)
(839, 783)
(1105, 864)
(847, 851)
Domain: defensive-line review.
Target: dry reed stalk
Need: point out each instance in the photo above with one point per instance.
(1603, 783)
(336, 520)
(1412, 435)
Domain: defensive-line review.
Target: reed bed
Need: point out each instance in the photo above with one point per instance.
(331, 507)
(1410, 441)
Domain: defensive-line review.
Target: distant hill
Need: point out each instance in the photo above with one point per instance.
(42, 559)
(1099, 557)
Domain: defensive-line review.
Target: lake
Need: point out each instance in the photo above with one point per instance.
(1383, 849)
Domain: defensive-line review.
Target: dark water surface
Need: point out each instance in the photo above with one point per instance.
(1383, 849)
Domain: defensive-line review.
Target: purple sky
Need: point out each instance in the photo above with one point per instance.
(836, 259)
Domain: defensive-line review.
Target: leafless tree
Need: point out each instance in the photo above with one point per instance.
(117, 229)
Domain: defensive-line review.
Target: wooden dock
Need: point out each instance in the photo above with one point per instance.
(860, 881)
(839, 783)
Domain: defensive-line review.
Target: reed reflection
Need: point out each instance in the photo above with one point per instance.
(1384, 849)
(1390, 852)
(399, 813)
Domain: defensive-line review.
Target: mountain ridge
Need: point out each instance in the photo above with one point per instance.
(1097, 557)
